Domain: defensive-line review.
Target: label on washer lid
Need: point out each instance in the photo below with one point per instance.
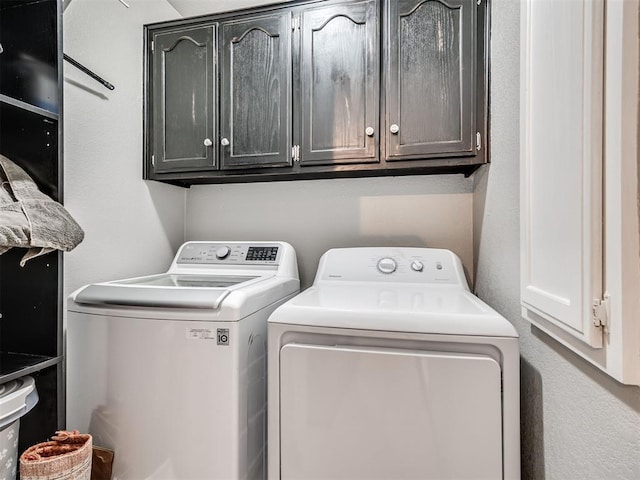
(201, 333)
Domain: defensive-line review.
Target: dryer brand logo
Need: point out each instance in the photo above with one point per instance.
(223, 336)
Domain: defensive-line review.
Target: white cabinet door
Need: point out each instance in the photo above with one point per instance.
(381, 413)
(561, 155)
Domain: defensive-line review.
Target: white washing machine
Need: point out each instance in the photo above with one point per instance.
(388, 367)
(169, 370)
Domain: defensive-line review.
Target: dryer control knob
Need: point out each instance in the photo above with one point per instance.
(387, 265)
(417, 265)
(222, 252)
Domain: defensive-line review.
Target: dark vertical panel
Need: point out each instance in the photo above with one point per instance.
(340, 80)
(431, 68)
(184, 95)
(255, 105)
(338, 86)
(430, 78)
(256, 95)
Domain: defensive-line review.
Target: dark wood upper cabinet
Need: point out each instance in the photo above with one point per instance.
(255, 100)
(340, 83)
(318, 89)
(184, 96)
(430, 78)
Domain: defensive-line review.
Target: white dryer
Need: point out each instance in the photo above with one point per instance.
(388, 367)
(169, 370)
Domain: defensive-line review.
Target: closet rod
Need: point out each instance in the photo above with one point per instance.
(81, 67)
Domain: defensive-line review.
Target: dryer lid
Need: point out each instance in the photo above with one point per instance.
(446, 310)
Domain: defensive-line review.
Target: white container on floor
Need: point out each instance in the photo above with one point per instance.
(17, 397)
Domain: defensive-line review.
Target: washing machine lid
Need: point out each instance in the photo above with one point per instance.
(167, 290)
(446, 310)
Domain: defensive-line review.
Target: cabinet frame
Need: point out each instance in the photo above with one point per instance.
(446, 163)
(604, 329)
(209, 159)
(365, 13)
(395, 12)
(266, 25)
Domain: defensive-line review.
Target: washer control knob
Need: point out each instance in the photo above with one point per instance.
(417, 265)
(222, 252)
(387, 265)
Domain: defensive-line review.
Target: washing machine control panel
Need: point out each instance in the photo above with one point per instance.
(409, 264)
(208, 253)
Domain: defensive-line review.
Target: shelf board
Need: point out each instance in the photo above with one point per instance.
(28, 107)
(16, 365)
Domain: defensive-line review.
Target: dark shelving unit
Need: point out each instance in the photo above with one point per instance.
(31, 340)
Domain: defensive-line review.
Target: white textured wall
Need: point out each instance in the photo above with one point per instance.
(315, 215)
(577, 423)
(132, 227)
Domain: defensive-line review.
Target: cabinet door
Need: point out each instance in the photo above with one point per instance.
(183, 100)
(340, 77)
(561, 145)
(430, 75)
(255, 123)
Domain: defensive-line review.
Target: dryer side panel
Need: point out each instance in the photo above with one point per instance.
(380, 413)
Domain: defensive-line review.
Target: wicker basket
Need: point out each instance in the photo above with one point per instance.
(66, 457)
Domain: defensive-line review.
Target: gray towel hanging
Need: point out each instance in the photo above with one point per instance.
(30, 219)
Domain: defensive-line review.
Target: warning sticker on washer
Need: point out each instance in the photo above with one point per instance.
(201, 333)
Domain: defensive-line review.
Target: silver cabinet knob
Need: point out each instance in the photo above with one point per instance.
(224, 142)
(394, 128)
(207, 142)
(369, 131)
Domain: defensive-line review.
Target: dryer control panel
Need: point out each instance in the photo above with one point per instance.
(225, 253)
(392, 264)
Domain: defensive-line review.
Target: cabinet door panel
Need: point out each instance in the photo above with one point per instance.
(561, 153)
(340, 83)
(430, 77)
(256, 92)
(184, 92)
